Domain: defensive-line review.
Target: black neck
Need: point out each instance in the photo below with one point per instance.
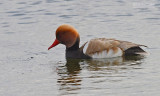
(75, 52)
(74, 47)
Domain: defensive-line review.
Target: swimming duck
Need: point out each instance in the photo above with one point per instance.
(95, 48)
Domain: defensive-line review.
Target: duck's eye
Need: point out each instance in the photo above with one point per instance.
(62, 42)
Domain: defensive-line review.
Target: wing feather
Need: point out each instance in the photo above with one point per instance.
(102, 44)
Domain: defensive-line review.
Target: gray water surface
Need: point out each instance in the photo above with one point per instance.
(27, 29)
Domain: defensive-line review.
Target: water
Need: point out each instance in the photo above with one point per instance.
(27, 29)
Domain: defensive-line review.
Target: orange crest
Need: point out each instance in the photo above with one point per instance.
(67, 35)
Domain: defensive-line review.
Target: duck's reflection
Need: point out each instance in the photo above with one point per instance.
(109, 64)
(70, 74)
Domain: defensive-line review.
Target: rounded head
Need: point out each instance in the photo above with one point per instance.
(67, 35)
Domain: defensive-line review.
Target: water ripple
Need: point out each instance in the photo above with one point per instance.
(50, 14)
(18, 14)
(36, 3)
(13, 12)
(123, 15)
(27, 22)
(26, 18)
(153, 18)
(21, 3)
(51, 1)
(67, 16)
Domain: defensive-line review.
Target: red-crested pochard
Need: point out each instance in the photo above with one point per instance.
(95, 48)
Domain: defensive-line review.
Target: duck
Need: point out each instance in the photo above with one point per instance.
(94, 48)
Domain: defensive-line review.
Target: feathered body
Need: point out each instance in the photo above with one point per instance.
(95, 48)
(108, 48)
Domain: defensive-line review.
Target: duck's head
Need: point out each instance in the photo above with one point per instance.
(67, 35)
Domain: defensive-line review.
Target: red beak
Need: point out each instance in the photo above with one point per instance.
(56, 42)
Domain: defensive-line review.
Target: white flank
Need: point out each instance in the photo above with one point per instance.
(110, 54)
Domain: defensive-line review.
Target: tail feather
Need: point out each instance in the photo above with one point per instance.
(141, 53)
(135, 51)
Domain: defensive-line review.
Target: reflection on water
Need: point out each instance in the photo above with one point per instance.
(70, 76)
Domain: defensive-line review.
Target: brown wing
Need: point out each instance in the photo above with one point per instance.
(126, 45)
(100, 44)
(132, 48)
